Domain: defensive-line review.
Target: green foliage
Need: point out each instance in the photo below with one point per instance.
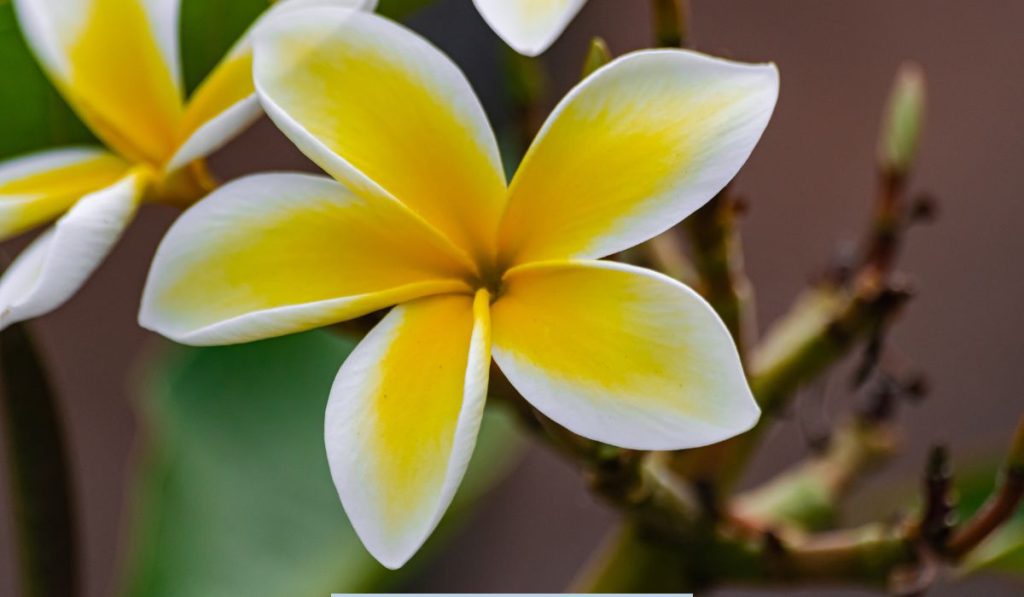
(235, 496)
(1004, 550)
(209, 29)
(399, 9)
(33, 116)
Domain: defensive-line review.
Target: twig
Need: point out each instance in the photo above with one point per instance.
(717, 251)
(937, 519)
(999, 508)
(40, 480)
(828, 321)
(671, 20)
(637, 560)
(809, 495)
(822, 329)
(718, 260)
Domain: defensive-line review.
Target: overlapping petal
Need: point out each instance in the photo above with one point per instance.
(620, 354)
(57, 263)
(116, 62)
(403, 418)
(632, 150)
(39, 187)
(225, 102)
(377, 106)
(278, 253)
(529, 26)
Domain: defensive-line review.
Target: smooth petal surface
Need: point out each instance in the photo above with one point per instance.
(225, 103)
(529, 26)
(403, 417)
(632, 150)
(116, 62)
(39, 187)
(621, 354)
(273, 254)
(377, 106)
(56, 264)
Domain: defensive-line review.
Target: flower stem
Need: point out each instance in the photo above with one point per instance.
(40, 481)
(671, 23)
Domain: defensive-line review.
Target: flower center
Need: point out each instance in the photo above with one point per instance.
(490, 278)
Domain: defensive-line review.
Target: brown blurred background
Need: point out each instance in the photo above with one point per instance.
(809, 185)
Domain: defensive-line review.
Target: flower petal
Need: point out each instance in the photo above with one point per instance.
(377, 106)
(635, 148)
(273, 254)
(529, 26)
(225, 102)
(39, 187)
(621, 354)
(56, 264)
(116, 62)
(403, 418)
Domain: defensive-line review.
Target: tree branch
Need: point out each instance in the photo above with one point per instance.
(40, 480)
(808, 497)
(1001, 505)
(718, 261)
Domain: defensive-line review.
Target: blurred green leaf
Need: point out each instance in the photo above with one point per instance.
(1003, 551)
(399, 9)
(235, 496)
(209, 29)
(33, 115)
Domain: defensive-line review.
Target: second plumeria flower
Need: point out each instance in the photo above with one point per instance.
(116, 62)
(529, 26)
(423, 219)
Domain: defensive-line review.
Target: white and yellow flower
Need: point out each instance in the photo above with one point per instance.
(419, 216)
(116, 62)
(529, 26)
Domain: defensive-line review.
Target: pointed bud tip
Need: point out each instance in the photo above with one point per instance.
(904, 119)
(598, 55)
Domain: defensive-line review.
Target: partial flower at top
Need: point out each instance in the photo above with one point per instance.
(116, 62)
(529, 26)
(419, 216)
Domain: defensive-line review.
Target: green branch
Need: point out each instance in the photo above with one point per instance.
(718, 261)
(809, 496)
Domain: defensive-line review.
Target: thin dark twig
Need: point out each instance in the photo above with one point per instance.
(999, 508)
(40, 480)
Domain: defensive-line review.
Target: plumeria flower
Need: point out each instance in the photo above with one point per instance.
(529, 26)
(116, 62)
(419, 216)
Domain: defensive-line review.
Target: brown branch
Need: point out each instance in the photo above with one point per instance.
(40, 478)
(999, 508)
(809, 495)
(827, 321)
(636, 559)
(718, 261)
(824, 327)
(937, 518)
(671, 20)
